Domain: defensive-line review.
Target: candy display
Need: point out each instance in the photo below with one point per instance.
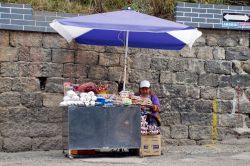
(81, 99)
(102, 89)
(86, 94)
(146, 101)
(87, 87)
(90, 94)
(153, 130)
(101, 101)
(69, 86)
(90, 86)
(124, 94)
(126, 101)
(147, 129)
(140, 100)
(144, 125)
(71, 98)
(88, 98)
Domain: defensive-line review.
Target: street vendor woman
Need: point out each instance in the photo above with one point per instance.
(152, 109)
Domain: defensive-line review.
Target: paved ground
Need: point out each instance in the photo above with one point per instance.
(233, 153)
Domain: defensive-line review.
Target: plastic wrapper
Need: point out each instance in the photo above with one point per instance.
(87, 87)
(147, 129)
(102, 89)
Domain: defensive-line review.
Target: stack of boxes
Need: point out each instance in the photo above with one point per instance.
(150, 139)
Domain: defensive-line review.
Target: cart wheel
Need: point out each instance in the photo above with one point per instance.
(70, 157)
(134, 151)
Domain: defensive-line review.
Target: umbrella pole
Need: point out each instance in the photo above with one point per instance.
(125, 65)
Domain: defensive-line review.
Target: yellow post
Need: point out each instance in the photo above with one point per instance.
(214, 122)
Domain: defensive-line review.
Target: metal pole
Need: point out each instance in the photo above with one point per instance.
(125, 65)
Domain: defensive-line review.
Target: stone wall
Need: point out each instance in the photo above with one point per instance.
(33, 67)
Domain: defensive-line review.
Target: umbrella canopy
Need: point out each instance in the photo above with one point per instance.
(110, 29)
(126, 28)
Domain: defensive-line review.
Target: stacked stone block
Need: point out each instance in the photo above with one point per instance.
(30, 118)
(35, 65)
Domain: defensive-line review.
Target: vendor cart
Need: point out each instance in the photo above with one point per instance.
(93, 128)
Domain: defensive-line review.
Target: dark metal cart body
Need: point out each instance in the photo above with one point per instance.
(104, 127)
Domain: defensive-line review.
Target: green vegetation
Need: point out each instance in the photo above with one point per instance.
(161, 8)
(53, 5)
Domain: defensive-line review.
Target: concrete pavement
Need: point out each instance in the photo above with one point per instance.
(231, 153)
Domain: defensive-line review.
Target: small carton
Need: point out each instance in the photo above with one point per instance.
(150, 145)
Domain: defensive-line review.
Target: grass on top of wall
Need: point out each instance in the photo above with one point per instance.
(72, 6)
(160, 8)
(53, 5)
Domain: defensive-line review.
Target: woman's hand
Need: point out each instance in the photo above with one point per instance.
(154, 108)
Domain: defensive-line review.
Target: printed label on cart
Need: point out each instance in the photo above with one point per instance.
(155, 146)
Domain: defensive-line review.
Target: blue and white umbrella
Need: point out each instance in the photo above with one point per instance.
(126, 27)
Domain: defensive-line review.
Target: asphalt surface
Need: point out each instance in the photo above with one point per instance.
(232, 153)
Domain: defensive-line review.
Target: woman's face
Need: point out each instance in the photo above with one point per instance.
(144, 92)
